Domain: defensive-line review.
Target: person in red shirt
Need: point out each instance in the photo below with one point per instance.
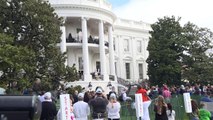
(143, 92)
(146, 102)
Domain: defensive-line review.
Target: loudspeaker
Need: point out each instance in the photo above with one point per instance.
(20, 108)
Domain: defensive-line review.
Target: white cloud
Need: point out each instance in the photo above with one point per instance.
(198, 12)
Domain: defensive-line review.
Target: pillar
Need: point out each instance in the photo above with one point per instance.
(102, 51)
(111, 53)
(86, 73)
(63, 46)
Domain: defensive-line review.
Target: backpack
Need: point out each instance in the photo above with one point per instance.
(120, 98)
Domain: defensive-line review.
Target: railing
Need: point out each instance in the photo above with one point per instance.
(128, 111)
(94, 3)
(90, 40)
(123, 82)
(133, 24)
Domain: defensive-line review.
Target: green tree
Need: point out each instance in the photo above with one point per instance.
(197, 60)
(12, 60)
(165, 50)
(30, 33)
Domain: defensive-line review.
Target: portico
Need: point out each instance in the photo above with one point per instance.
(102, 32)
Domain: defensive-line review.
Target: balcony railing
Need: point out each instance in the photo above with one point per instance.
(70, 39)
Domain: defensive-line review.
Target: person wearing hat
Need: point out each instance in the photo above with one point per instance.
(98, 105)
(48, 108)
(113, 108)
(81, 109)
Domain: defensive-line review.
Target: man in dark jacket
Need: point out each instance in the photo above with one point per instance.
(48, 108)
(98, 105)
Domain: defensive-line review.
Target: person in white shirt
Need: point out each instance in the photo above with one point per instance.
(124, 95)
(170, 113)
(81, 109)
(113, 108)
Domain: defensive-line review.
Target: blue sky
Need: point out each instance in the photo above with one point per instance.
(198, 12)
(117, 3)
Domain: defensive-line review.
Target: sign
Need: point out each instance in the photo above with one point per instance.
(65, 107)
(139, 105)
(187, 102)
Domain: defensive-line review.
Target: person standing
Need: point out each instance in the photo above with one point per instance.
(203, 113)
(170, 112)
(113, 108)
(72, 116)
(37, 87)
(81, 109)
(195, 111)
(160, 108)
(124, 96)
(112, 91)
(48, 108)
(146, 102)
(98, 105)
(166, 93)
(75, 97)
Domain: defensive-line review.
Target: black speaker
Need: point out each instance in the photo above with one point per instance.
(20, 108)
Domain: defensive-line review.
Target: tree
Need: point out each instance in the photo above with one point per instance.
(30, 33)
(165, 50)
(197, 60)
(11, 60)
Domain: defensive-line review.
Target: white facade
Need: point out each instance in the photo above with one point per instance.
(117, 48)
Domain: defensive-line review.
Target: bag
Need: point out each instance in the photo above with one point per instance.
(120, 98)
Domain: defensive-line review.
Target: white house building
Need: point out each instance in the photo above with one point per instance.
(102, 47)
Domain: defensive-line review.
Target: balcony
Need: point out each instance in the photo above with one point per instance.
(91, 40)
(93, 43)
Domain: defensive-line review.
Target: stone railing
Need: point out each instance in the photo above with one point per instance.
(123, 81)
(94, 3)
(133, 24)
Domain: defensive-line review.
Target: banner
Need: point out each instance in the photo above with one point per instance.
(64, 107)
(187, 102)
(139, 105)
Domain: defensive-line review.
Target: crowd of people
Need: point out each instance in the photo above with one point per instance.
(163, 107)
(96, 104)
(99, 106)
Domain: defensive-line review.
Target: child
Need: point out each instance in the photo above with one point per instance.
(170, 113)
(203, 113)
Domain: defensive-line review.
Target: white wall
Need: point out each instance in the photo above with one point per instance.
(133, 56)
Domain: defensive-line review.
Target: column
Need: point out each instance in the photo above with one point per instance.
(120, 63)
(102, 51)
(135, 73)
(63, 46)
(85, 50)
(111, 53)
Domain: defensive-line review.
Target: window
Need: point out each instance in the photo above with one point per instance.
(80, 63)
(139, 46)
(116, 68)
(140, 70)
(127, 65)
(114, 44)
(126, 45)
(98, 68)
